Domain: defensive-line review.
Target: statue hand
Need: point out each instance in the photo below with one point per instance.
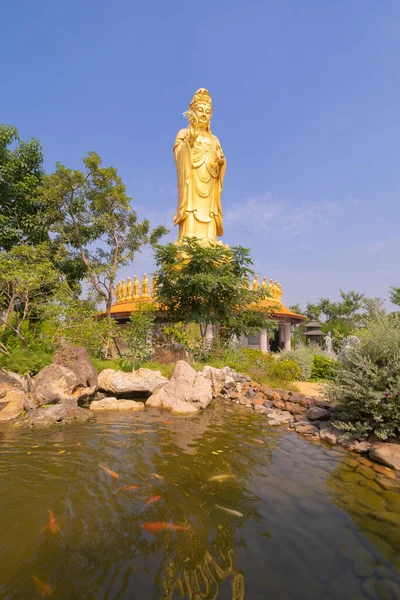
(193, 126)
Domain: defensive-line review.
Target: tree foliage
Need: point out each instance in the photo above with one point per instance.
(395, 295)
(205, 285)
(91, 217)
(21, 170)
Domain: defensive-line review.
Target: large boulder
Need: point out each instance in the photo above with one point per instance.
(77, 360)
(57, 414)
(13, 398)
(388, 454)
(108, 404)
(119, 382)
(55, 383)
(186, 392)
(169, 353)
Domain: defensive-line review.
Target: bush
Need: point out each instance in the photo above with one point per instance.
(323, 368)
(285, 370)
(118, 364)
(367, 387)
(23, 361)
(303, 357)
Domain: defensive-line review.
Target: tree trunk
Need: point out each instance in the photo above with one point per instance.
(7, 313)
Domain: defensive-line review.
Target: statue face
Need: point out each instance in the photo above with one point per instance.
(203, 113)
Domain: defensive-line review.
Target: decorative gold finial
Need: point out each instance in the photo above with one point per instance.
(118, 291)
(275, 290)
(123, 289)
(129, 288)
(136, 290)
(255, 283)
(145, 286)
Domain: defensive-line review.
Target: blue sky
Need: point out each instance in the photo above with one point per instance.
(306, 98)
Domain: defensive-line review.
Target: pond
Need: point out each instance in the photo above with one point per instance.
(219, 505)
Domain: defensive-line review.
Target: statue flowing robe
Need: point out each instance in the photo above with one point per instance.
(200, 182)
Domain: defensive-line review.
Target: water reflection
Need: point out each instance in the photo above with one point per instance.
(293, 541)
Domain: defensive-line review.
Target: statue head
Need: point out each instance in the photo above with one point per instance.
(201, 105)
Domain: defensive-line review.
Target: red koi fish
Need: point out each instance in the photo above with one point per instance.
(153, 499)
(107, 470)
(52, 525)
(127, 487)
(156, 527)
(43, 589)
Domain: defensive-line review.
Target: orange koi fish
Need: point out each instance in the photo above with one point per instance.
(127, 487)
(43, 589)
(162, 526)
(107, 470)
(153, 499)
(52, 525)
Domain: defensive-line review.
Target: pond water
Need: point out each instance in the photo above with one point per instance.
(315, 522)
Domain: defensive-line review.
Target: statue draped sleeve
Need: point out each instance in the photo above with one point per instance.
(183, 163)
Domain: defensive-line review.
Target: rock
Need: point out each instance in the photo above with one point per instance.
(119, 382)
(387, 454)
(279, 416)
(279, 404)
(56, 383)
(186, 392)
(388, 589)
(76, 359)
(294, 408)
(13, 398)
(250, 393)
(57, 414)
(331, 434)
(315, 413)
(307, 429)
(384, 471)
(307, 402)
(272, 395)
(258, 399)
(114, 404)
(220, 378)
(268, 404)
(25, 382)
(361, 447)
(169, 353)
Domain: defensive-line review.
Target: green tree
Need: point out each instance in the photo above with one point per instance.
(395, 295)
(204, 285)
(21, 170)
(92, 218)
(26, 276)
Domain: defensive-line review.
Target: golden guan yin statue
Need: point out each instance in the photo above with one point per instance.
(200, 167)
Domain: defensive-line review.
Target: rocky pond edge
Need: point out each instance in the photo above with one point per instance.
(54, 395)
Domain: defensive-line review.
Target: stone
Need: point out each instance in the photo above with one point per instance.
(56, 383)
(307, 402)
(307, 430)
(364, 461)
(77, 360)
(294, 408)
(186, 392)
(330, 433)
(143, 380)
(169, 353)
(57, 414)
(361, 447)
(250, 393)
(384, 471)
(258, 399)
(114, 404)
(268, 404)
(220, 378)
(279, 404)
(273, 395)
(388, 589)
(388, 454)
(315, 413)
(14, 400)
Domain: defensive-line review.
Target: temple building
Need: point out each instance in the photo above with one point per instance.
(132, 294)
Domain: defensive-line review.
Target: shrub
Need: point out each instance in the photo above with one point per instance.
(117, 364)
(303, 357)
(367, 387)
(23, 361)
(323, 368)
(285, 370)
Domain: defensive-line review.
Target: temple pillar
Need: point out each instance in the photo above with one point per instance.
(287, 336)
(281, 335)
(264, 341)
